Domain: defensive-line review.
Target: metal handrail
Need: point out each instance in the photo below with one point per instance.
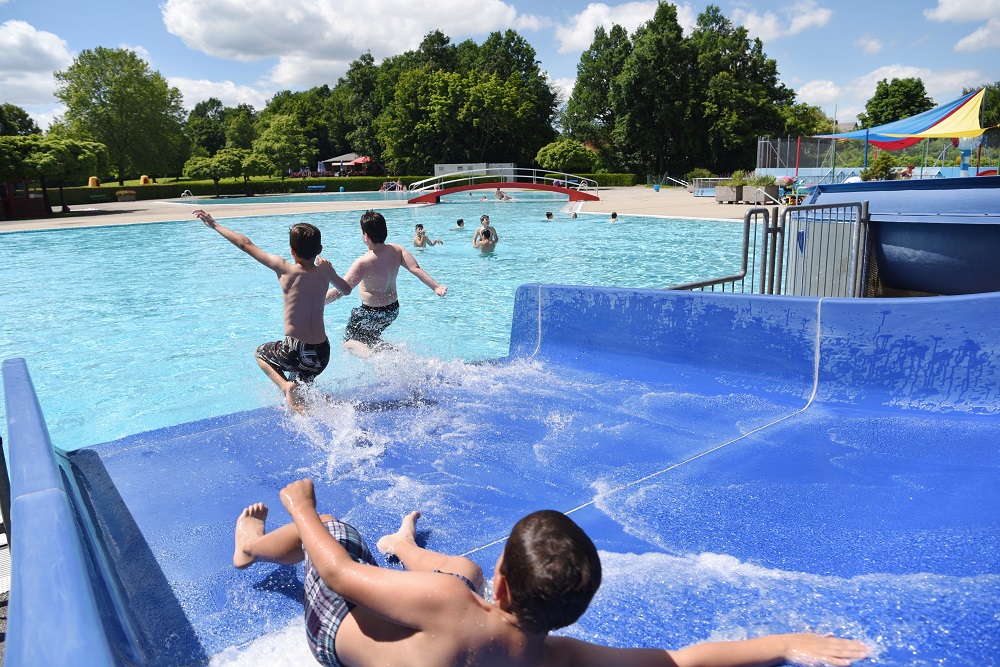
(678, 181)
(812, 269)
(702, 284)
(504, 175)
(762, 191)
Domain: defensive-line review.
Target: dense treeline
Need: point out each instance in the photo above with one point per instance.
(655, 101)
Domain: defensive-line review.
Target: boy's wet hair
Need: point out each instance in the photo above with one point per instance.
(305, 240)
(373, 224)
(486, 235)
(419, 226)
(552, 571)
(460, 222)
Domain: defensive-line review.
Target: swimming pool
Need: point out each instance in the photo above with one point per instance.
(375, 197)
(302, 198)
(131, 328)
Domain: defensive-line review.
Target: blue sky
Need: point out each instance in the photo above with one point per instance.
(831, 53)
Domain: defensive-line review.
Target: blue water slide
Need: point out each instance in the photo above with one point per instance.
(745, 464)
(940, 236)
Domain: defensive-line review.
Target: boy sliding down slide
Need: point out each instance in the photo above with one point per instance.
(360, 615)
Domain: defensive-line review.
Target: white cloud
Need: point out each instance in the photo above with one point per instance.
(769, 26)
(230, 94)
(869, 44)
(963, 11)
(248, 30)
(941, 85)
(985, 37)
(140, 51)
(819, 93)
(564, 88)
(532, 22)
(578, 35)
(28, 58)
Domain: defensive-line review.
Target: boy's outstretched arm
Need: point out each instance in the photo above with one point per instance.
(411, 265)
(341, 287)
(805, 648)
(411, 599)
(273, 262)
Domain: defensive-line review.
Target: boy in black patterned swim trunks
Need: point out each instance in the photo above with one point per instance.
(433, 615)
(305, 350)
(374, 274)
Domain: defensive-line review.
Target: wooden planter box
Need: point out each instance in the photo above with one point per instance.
(728, 194)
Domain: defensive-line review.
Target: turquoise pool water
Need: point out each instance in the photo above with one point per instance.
(375, 197)
(131, 328)
(303, 198)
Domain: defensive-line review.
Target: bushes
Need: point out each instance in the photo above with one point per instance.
(698, 173)
(85, 196)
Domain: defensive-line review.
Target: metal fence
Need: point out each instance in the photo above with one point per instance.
(817, 250)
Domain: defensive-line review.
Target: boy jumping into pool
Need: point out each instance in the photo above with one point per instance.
(305, 351)
(358, 614)
(376, 272)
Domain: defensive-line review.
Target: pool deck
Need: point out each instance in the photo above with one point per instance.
(637, 200)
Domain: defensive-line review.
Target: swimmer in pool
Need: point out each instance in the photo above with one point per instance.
(421, 240)
(614, 217)
(459, 225)
(484, 241)
(374, 273)
(433, 614)
(485, 222)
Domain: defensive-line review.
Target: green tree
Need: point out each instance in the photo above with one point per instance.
(240, 124)
(512, 59)
(566, 155)
(206, 125)
(15, 121)
(285, 144)
(66, 160)
(736, 93)
(589, 115)
(111, 96)
(360, 81)
(803, 120)
(894, 100)
(880, 167)
(650, 97)
(200, 168)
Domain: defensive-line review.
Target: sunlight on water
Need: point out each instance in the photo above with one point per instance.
(146, 326)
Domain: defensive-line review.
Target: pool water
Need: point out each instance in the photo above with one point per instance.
(374, 197)
(131, 328)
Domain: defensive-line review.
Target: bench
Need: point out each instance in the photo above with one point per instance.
(315, 187)
(98, 197)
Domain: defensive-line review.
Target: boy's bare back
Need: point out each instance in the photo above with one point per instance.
(304, 288)
(375, 274)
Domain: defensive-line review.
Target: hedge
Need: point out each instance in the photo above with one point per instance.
(84, 195)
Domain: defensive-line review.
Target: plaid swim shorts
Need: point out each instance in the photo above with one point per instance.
(325, 609)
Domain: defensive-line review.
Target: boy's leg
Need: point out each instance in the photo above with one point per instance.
(287, 386)
(403, 545)
(281, 546)
(357, 348)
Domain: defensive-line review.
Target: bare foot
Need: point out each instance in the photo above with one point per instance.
(293, 398)
(407, 533)
(249, 526)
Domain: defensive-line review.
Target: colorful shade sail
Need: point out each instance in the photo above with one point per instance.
(958, 118)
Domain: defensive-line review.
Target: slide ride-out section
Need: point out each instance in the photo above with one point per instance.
(745, 464)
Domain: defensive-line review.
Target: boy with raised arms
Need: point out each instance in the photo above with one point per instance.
(360, 615)
(305, 350)
(374, 274)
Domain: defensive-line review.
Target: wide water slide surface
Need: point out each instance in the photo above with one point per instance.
(746, 465)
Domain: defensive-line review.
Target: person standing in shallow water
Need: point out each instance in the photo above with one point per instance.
(358, 614)
(305, 350)
(374, 274)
